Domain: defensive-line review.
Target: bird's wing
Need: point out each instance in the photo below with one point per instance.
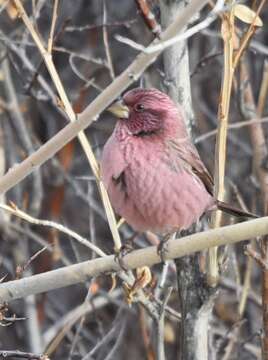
(187, 156)
(112, 164)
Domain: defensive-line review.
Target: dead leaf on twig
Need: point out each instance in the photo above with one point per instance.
(11, 9)
(247, 15)
(144, 277)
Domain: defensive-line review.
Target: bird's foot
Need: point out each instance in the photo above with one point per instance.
(121, 253)
(162, 248)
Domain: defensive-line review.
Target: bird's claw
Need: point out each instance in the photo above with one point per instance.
(120, 254)
(162, 249)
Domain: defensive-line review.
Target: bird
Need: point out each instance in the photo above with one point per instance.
(151, 169)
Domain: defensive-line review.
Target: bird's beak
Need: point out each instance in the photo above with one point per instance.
(119, 109)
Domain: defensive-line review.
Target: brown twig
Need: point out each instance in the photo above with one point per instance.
(244, 294)
(248, 35)
(227, 31)
(257, 257)
(230, 63)
(259, 155)
(149, 17)
(20, 269)
(106, 42)
(52, 28)
(263, 90)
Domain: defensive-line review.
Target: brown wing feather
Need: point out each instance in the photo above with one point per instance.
(186, 152)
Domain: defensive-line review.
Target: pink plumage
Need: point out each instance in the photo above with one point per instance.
(149, 182)
(152, 172)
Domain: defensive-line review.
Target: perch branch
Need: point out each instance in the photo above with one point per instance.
(77, 273)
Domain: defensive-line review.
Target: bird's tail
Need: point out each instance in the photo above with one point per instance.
(232, 210)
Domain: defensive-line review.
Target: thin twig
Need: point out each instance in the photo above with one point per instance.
(21, 214)
(106, 42)
(257, 257)
(233, 126)
(227, 31)
(161, 326)
(52, 28)
(16, 354)
(230, 64)
(244, 294)
(126, 23)
(149, 17)
(263, 90)
(84, 57)
(180, 37)
(250, 32)
(68, 320)
(29, 261)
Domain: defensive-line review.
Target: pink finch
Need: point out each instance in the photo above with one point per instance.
(153, 174)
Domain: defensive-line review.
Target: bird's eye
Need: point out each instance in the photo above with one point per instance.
(139, 107)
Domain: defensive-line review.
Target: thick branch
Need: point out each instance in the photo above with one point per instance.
(77, 273)
(176, 64)
(91, 113)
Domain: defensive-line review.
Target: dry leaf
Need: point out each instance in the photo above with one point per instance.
(144, 276)
(11, 9)
(245, 14)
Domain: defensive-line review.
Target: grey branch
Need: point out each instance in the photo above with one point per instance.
(77, 273)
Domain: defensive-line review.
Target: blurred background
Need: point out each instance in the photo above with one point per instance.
(64, 190)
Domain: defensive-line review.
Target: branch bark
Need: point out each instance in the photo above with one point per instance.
(176, 63)
(260, 154)
(77, 273)
(193, 291)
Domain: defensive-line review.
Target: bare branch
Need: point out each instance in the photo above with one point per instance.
(10, 354)
(21, 214)
(149, 17)
(77, 273)
(53, 24)
(180, 37)
(106, 42)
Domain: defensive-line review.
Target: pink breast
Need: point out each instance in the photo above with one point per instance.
(159, 197)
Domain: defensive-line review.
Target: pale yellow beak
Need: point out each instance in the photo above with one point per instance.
(119, 109)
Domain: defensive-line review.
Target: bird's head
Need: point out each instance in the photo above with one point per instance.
(149, 111)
